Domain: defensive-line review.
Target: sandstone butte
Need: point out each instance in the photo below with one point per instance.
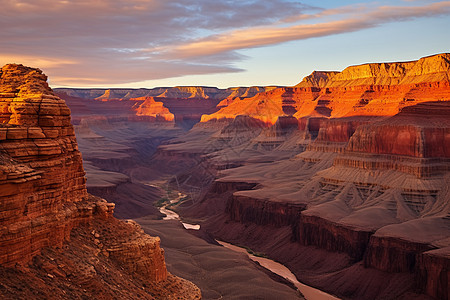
(374, 89)
(150, 107)
(56, 240)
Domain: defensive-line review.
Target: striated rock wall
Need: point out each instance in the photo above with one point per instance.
(393, 254)
(412, 133)
(250, 210)
(42, 176)
(416, 141)
(433, 274)
(316, 231)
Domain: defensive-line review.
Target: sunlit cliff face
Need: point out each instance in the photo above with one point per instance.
(365, 90)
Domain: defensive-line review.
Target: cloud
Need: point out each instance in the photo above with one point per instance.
(271, 35)
(104, 38)
(109, 42)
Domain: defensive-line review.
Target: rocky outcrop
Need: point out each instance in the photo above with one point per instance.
(138, 253)
(317, 79)
(410, 142)
(433, 68)
(394, 255)
(151, 108)
(245, 210)
(268, 106)
(42, 174)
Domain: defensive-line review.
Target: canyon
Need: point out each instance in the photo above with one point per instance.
(343, 178)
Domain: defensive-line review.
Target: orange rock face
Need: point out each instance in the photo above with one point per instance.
(419, 131)
(42, 176)
(268, 106)
(153, 109)
(378, 89)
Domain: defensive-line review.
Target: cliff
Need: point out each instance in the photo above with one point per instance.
(375, 89)
(428, 69)
(418, 131)
(42, 173)
(371, 190)
(45, 210)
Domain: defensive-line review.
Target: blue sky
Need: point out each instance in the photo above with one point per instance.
(148, 43)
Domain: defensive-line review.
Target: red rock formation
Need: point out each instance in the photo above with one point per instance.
(433, 274)
(317, 79)
(379, 89)
(42, 174)
(245, 210)
(154, 109)
(409, 142)
(268, 106)
(412, 133)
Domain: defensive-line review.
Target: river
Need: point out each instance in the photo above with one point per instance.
(171, 215)
(310, 293)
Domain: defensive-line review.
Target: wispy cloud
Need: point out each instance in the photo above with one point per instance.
(271, 35)
(102, 39)
(108, 42)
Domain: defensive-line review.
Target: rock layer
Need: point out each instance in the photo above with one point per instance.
(42, 173)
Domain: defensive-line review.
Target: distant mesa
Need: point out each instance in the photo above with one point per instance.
(179, 92)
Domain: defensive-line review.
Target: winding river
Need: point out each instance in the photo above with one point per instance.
(308, 292)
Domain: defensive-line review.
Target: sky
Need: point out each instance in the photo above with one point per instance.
(150, 43)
